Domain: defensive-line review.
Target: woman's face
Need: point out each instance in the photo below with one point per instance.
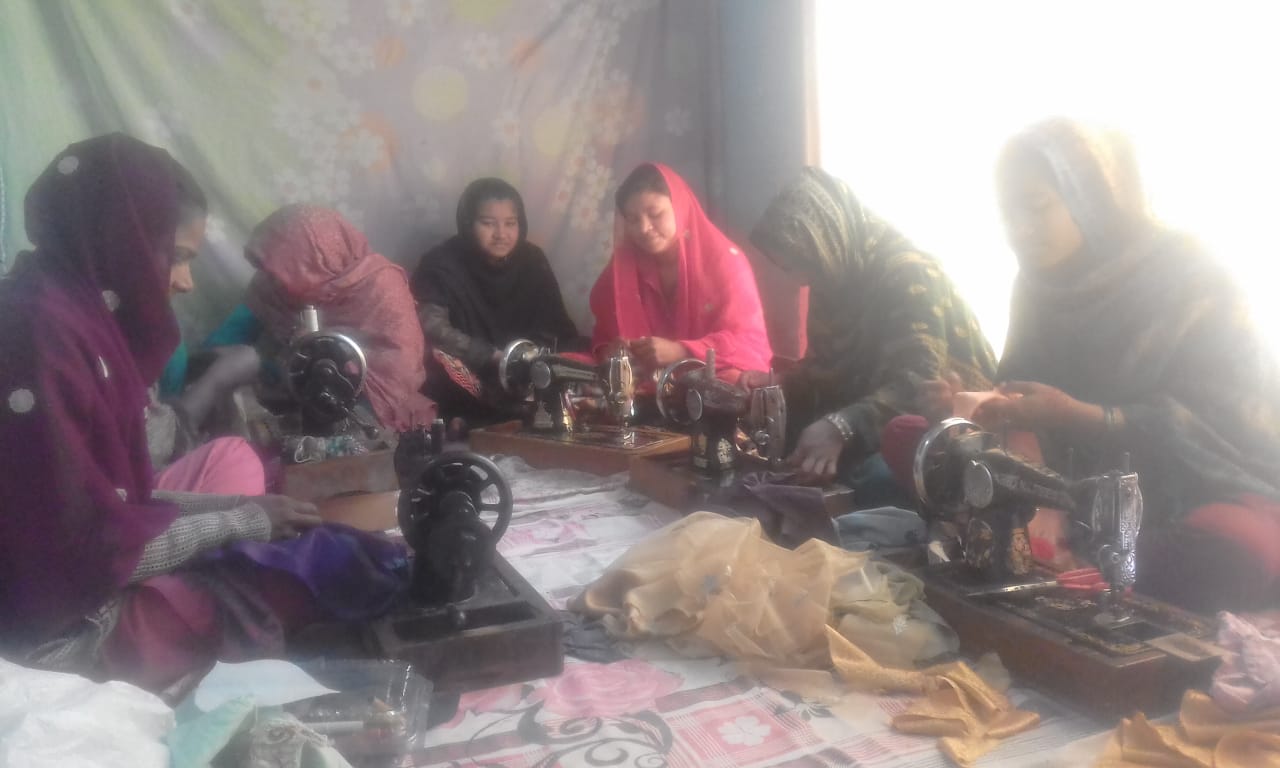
(497, 228)
(1038, 223)
(649, 221)
(186, 245)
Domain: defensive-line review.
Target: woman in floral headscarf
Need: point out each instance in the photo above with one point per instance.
(308, 255)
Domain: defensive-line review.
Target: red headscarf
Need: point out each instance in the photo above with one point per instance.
(717, 306)
(315, 256)
(85, 325)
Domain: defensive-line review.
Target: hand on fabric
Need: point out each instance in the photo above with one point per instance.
(934, 398)
(657, 352)
(289, 517)
(1031, 405)
(817, 452)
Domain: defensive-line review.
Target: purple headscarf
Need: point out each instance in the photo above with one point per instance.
(85, 325)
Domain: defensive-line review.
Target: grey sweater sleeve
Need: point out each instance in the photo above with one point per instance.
(196, 532)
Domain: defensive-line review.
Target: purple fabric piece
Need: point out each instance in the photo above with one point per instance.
(792, 513)
(353, 575)
(85, 326)
(1249, 678)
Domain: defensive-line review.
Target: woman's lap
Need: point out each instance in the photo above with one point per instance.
(226, 466)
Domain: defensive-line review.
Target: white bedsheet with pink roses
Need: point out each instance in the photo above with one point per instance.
(658, 709)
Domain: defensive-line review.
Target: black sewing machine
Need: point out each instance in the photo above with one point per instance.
(578, 414)
(470, 621)
(733, 432)
(324, 429)
(1081, 631)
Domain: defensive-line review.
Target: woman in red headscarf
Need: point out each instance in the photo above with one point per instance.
(308, 255)
(676, 285)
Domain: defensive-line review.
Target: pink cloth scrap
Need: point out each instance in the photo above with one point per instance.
(224, 466)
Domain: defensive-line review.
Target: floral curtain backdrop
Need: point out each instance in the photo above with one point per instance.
(383, 109)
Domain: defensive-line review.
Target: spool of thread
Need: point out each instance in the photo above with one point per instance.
(310, 320)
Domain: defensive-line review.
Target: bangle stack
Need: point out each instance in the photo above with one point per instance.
(841, 424)
(1108, 419)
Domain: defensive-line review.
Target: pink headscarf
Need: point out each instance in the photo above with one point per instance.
(717, 307)
(315, 256)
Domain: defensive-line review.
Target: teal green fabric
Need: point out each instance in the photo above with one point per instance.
(200, 736)
(240, 327)
(174, 376)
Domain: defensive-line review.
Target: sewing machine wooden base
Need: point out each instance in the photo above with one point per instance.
(670, 479)
(1041, 638)
(504, 634)
(601, 450)
(372, 472)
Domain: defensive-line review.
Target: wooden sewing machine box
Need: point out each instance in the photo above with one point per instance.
(1062, 660)
(670, 479)
(598, 450)
(372, 472)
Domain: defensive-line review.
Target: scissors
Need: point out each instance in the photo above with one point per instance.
(1086, 580)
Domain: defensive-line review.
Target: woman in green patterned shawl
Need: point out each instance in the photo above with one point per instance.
(1126, 337)
(882, 319)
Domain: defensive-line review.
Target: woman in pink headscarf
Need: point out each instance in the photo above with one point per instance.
(308, 255)
(676, 285)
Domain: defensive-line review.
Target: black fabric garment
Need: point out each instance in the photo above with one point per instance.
(492, 304)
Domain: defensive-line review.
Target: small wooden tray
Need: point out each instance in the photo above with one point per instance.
(372, 472)
(589, 452)
(1106, 685)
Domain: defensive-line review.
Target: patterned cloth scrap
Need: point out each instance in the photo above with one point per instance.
(308, 255)
(882, 315)
(717, 305)
(1145, 321)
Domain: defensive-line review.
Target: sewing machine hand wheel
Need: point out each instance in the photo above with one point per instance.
(930, 471)
(671, 404)
(325, 372)
(516, 356)
(458, 476)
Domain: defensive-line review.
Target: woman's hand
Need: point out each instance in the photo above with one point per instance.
(656, 352)
(289, 517)
(754, 380)
(935, 398)
(1031, 405)
(817, 452)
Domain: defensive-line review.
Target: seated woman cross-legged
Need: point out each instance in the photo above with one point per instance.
(1128, 338)
(883, 318)
(676, 285)
(480, 290)
(99, 573)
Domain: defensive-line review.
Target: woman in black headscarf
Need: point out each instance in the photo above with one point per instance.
(479, 290)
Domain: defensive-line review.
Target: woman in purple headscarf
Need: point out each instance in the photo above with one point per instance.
(98, 573)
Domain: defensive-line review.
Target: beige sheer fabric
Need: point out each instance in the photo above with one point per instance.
(1205, 736)
(713, 585)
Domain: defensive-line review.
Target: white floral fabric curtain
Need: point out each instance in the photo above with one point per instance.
(384, 109)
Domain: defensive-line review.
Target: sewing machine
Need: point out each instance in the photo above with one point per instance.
(1081, 632)
(470, 621)
(734, 431)
(578, 415)
(327, 435)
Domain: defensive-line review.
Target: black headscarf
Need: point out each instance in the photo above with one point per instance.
(497, 303)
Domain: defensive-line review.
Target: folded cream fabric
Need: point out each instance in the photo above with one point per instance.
(714, 585)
